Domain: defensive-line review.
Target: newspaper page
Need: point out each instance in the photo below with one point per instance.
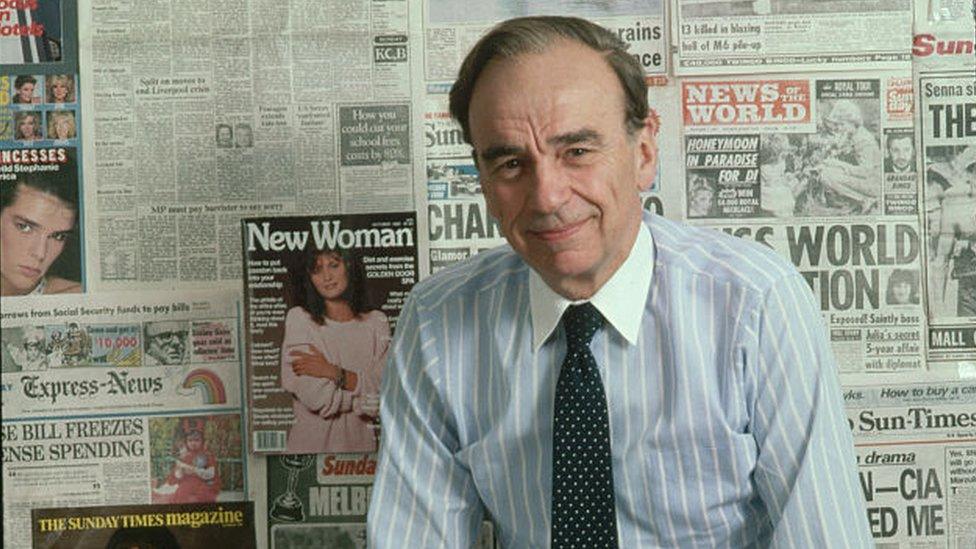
(458, 222)
(212, 111)
(318, 500)
(119, 399)
(322, 296)
(945, 72)
(40, 167)
(821, 170)
(749, 36)
(186, 526)
(916, 454)
(666, 195)
(451, 27)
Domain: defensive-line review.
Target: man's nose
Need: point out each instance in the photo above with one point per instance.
(549, 187)
(39, 247)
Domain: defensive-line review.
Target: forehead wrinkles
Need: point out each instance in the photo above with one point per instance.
(566, 87)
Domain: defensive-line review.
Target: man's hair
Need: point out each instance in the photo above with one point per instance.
(897, 136)
(524, 35)
(59, 183)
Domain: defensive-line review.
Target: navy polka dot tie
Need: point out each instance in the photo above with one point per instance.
(582, 478)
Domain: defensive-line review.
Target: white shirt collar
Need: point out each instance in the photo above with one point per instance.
(621, 300)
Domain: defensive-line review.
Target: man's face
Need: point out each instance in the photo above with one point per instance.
(901, 151)
(224, 136)
(558, 168)
(33, 232)
(244, 136)
(26, 92)
(167, 342)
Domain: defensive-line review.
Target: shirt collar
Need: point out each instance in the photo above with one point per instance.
(621, 300)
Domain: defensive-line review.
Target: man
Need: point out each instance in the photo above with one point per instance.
(166, 343)
(243, 136)
(225, 136)
(722, 421)
(37, 218)
(901, 153)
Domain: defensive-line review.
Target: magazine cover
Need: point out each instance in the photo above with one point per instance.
(184, 526)
(41, 191)
(321, 298)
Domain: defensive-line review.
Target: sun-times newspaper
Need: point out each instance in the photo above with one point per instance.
(321, 298)
(119, 399)
(945, 87)
(207, 112)
(458, 222)
(744, 36)
(916, 453)
(821, 169)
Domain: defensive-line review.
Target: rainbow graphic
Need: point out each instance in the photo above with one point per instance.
(209, 384)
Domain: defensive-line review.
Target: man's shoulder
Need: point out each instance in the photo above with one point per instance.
(716, 255)
(477, 274)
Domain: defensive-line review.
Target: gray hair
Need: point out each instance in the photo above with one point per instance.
(524, 35)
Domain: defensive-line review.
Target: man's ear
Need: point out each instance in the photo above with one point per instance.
(646, 152)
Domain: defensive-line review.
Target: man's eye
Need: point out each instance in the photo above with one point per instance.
(23, 227)
(577, 151)
(60, 237)
(512, 164)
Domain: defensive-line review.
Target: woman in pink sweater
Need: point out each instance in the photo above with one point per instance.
(332, 357)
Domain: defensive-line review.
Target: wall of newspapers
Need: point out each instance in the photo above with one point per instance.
(174, 174)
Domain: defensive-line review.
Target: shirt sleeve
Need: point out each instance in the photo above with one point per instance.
(318, 394)
(806, 471)
(423, 495)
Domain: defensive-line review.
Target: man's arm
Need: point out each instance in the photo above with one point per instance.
(806, 471)
(423, 496)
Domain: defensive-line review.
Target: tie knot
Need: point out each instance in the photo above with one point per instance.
(581, 322)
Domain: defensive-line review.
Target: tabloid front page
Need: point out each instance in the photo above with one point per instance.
(821, 169)
(745, 36)
(208, 112)
(120, 399)
(946, 91)
(40, 137)
(916, 453)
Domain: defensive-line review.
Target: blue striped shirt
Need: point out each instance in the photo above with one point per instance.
(726, 418)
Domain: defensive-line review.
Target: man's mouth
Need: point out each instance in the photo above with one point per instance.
(29, 272)
(558, 233)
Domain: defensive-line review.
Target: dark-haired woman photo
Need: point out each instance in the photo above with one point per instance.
(332, 357)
